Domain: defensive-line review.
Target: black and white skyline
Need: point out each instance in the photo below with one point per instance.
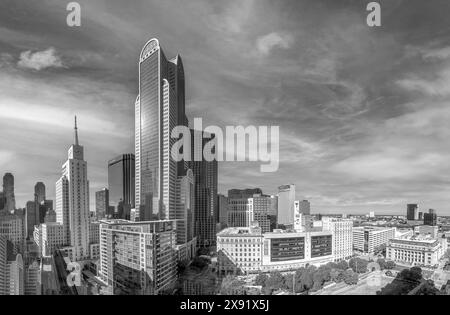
(362, 111)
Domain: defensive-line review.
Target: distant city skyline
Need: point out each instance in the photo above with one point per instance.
(362, 112)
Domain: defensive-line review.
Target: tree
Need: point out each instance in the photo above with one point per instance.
(261, 279)
(336, 275)
(382, 263)
(350, 277)
(358, 265)
(342, 265)
(389, 265)
(276, 281)
(200, 263)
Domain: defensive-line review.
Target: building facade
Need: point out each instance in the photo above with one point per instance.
(72, 201)
(248, 250)
(424, 251)
(286, 199)
(138, 258)
(342, 231)
(102, 203)
(368, 239)
(121, 184)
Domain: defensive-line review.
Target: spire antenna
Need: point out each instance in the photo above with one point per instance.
(76, 131)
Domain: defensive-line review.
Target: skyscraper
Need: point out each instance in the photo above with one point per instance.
(101, 203)
(72, 201)
(286, 199)
(137, 258)
(430, 218)
(158, 109)
(8, 191)
(205, 179)
(412, 212)
(39, 192)
(121, 184)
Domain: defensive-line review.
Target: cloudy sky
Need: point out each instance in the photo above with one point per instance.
(363, 112)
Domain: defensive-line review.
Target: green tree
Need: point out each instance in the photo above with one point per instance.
(389, 265)
(350, 277)
(342, 265)
(276, 281)
(261, 279)
(358, 265)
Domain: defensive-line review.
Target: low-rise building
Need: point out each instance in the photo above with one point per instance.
(424, 251)
(367, 239)
(248, 250)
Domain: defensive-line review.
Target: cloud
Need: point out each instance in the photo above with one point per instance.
(265, 44)
(40, 60)
(5, 157)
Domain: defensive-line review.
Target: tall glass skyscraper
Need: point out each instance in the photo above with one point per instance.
(121, 177)
(159, 108)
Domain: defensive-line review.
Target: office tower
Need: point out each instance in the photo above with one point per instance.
(222, 206)
(8, 191)
(138, 258)
(244, 193)
(49, 237)
(44, 208)
(11, 269)
(72, 201)
(39, 192)
(420, 216)
(101, 203)
(2, 201)
(205, 180)
(367, 239)
(185, 208)
(412, 212)
(305, 207)
(16, 274)
(32, 217)
(158, 109)
(430, 218)
(12, 227)
(243, 212)
(286, 198)
(33, 279)
(121, 185)
(342, 231)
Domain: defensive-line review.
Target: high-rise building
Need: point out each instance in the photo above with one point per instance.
(159, 108)
(412, 212)
(33, 279)
(244, 193)
(121, 184)
(342, 231)
(39, 192)
(12, 227)
(101, 203)
(430, 218)
(72, 201)
(222, 204)
(286, 199)
(243, 212)
(305, 207)
(205, 180)
(32, 217)
(138, 258)
(8, 191)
